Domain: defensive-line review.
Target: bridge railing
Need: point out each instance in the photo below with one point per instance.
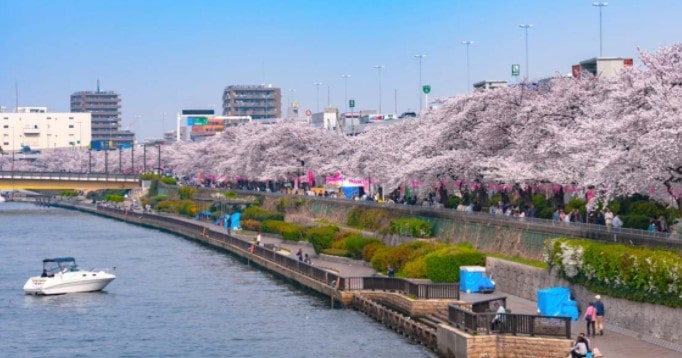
(418, 290)
(103, 177)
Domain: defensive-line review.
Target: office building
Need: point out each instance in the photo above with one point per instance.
(105, 108)
(38, 129)
(484, 85)
(601, 66)
(258, 102)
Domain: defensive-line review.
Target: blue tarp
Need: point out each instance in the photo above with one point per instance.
(349, 191)
(203, 214)
(473, 279)
(235, 221)
(556, 301)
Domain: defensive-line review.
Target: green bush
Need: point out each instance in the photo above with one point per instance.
(166, 206)
(230, 195)
(186, 192)
(576, 203)
(369, 219)
(259, 214)
(187, 208)
(635, 221)
(370, 249)
(443, 265)
(148, 176)
(114, 198)
(169, 181)
(321, 237)
(71, 193)
(637, 274)
(411, 227)
(415, 268)
(288, 231)
(355, 245)
(400, 255)
(336, 252)
(251, 225)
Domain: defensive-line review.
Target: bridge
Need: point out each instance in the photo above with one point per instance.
(17, 180)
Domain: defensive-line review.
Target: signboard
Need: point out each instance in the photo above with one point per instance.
(351, 103)
(197, 121)
(426, 89)
(516, 70)
(308, 112)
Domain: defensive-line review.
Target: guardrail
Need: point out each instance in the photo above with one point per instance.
(508, 323)
(418, 290)
(28, 175)
(574, 229)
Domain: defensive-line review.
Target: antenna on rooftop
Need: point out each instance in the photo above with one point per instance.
(97, 85)
(16, 93)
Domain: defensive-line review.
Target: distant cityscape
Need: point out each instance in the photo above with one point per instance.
(94, 121)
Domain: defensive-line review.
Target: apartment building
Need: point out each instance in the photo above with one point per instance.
(259, 102)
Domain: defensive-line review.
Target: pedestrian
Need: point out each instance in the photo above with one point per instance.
(599, 307)
(299, 253)
(390, 271)
(307, 259)
(617, 222)
(258, 239)
(608, 219)
(499, 318)
(580, 348)
(590, 319)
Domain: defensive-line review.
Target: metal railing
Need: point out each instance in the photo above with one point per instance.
(29, 175)
(508, 323)
(418, 290)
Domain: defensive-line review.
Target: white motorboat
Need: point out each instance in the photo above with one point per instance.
(61, 275)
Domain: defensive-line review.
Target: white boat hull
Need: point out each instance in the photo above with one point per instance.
(68, 282)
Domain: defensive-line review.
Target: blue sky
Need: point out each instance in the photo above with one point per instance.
(162, 56)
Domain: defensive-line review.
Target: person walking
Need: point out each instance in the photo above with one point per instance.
(599, 308)
(608, 219)
(590, 319)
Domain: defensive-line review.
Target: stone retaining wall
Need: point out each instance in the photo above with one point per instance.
(645, 319)
(456, 343)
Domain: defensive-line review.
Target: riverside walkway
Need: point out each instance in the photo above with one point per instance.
(617, 342)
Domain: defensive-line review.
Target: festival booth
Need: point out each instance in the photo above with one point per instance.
(556, 301)
(472, 279)
(232, 220)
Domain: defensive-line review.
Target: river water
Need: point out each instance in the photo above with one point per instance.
(171, 298)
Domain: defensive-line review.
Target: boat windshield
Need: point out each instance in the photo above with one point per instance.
(60, 264)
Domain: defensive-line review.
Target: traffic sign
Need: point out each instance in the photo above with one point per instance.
(351, 103)
(426, 89)
(516, 70)
(308, 112)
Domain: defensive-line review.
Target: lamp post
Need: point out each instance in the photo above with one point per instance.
(345, 89)
(526, 27)
(379, 68)
(420, 57)
(291, 97)
(600, 5)
(318, 84)
(468, 43)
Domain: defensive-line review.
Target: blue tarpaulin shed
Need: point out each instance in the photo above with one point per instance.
(556, 301)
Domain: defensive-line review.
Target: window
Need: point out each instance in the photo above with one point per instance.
(70, 125)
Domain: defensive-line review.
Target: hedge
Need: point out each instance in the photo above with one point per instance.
(321, 237)
(259, 214)
(355, 245)
(411, 227)
(400, 255)
(288, 231)
(169, 181)
(636, 274)
(443, 265)
(370, 219)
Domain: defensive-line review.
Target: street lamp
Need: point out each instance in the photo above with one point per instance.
(345, 89)
(291, 96)
(526, 27)
(467, 43)
(600, 5)
(379, 68)
(420, 57)
(318, 84)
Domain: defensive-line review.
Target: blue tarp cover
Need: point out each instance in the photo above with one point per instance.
(349, 191)
(556, 301)
(473, 279)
